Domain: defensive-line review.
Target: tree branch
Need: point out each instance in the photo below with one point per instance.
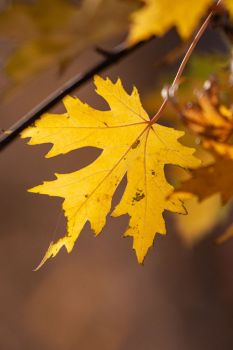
(109, 59)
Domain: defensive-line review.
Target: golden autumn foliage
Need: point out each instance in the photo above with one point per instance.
(46, 32)
(209, 180)
(156, 17)
(208, 117)
(194, 226)
(211, 120)
(131, 146)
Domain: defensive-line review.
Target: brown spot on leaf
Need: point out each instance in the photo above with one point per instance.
(138, 196)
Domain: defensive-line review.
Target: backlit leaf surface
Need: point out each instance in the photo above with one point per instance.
(131, 146)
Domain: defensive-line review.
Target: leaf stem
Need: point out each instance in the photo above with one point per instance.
(184, 62)
(109, 59)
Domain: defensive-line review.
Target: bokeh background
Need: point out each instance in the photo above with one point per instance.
(98, 297)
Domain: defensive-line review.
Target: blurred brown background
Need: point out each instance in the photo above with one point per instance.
(98, 297)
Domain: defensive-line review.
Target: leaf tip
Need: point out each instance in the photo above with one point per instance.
(47, 255)
(97, 80)
(34, 189)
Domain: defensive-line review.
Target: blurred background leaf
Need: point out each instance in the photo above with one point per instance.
(42, 33)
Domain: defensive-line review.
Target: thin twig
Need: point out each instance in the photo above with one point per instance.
(185, 61)
(117, 54)
(109, 59)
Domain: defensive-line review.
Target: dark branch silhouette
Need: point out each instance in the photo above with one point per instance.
(110, 58)
(220, 21)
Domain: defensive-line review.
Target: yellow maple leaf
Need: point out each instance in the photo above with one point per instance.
(131, 145)
(156, 17)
